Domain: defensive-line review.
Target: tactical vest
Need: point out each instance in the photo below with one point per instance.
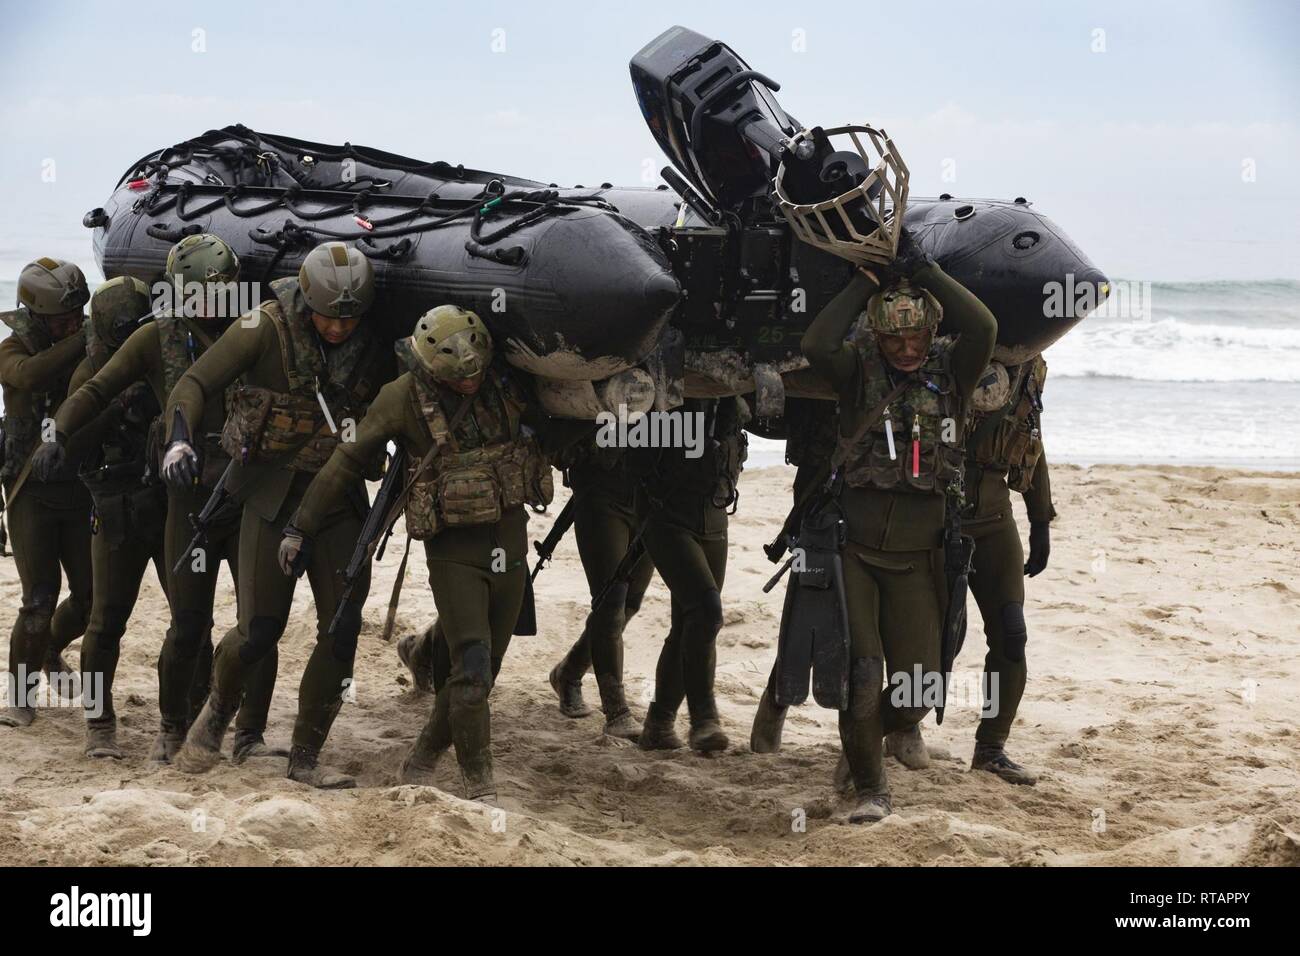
(927, 411)
(122, 459)
(22, 426)
(180, 346)
(1009, 440)
(474, 486)
(715, 473)
(290, 428)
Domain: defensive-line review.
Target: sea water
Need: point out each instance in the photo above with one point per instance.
(1209, 376)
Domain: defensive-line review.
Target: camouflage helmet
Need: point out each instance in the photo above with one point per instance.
(337, 281)
(452, 343)
(202, 258)
(52, 287)
(117, 307)
(903, 308)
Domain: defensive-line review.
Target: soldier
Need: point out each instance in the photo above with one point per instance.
(609, 510)
(308, 366)
(902, 400)
(474, 464)
(50, 519)
(201, 271)
(1004, 453)
(686, 538)
(130, 503)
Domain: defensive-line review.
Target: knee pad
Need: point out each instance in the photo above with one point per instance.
(610, 616)
(344, 644)
(37, 617)
(1014, 633)
(706, 614)
(192, 628)
(476, 671)
(113, 622)
(263, 632)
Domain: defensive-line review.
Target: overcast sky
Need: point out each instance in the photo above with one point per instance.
(1163, 136)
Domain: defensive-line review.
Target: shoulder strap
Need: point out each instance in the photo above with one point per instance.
(843, 446)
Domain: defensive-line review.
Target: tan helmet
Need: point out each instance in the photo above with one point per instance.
(52, 287)
(452, 343)
(903, 307)
(117, 307)
(337, 281)
(202, 258)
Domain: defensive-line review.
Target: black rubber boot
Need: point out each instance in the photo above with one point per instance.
(480, 784)
(707, 735)
(861, 736)
(17, 716)
(993, 759)
(619, 721)
(202, 748)
(413, 650)
(569, 692)
(170, 739)
(909, 747)
(660, 730)
(304, 767)
(769, 722)
(435, 737)
(101, 739)
(249, 745)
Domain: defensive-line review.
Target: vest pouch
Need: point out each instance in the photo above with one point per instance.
(422, 511)
(882, 471)
(510, 469)
(246, 415)
(469, 494)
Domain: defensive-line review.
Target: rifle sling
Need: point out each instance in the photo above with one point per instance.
(842, 451)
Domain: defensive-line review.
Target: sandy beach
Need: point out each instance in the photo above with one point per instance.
(1162, 714)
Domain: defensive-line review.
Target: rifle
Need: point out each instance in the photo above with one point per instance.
(374, 530)
(206, 515)
(958, 549)
(623, 572)
(546, 547)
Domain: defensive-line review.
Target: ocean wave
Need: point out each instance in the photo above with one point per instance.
(1175, 350)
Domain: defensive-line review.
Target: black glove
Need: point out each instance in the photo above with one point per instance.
(910, 257)
(50, 458)
(1040, 546)
(180, 463)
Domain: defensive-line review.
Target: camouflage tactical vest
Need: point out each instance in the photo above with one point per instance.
(715, 473)
(22, 425)
(267, 426)
(123, 455)
(928, 410)
(467, 485)
(1012, 445)
(180, 343)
